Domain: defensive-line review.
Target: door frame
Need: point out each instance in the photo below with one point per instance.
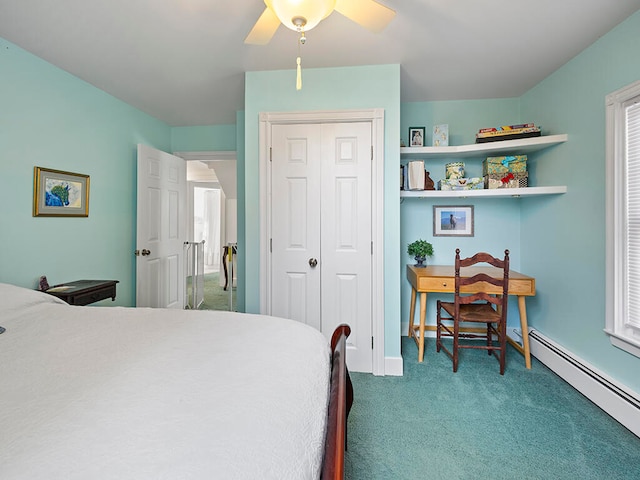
(374, 116)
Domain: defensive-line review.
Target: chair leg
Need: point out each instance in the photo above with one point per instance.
(456, 340)
(438, 326)
(503, 347)
(489, 339)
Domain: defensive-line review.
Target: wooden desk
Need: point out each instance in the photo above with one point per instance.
(84, 292)
(441, 279)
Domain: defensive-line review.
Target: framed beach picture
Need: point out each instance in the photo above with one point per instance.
(60, 194)
(453, 221)
(416, 136)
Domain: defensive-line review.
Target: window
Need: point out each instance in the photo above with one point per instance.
(623, 218)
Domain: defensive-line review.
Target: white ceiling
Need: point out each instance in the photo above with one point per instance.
(183, 61)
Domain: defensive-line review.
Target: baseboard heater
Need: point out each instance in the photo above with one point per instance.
(617, 401)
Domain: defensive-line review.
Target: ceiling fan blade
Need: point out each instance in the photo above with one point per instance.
(367, 13)
(264, 29)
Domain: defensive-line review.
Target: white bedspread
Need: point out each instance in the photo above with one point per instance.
(123, 393)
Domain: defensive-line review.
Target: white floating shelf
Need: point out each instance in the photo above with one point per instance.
(486, 193)
(520, 146)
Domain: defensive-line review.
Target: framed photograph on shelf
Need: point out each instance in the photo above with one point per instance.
(416, 136)
(440, 137)
(453, 221)
(60, 194)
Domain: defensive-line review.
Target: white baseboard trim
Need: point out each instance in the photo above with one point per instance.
(615, 399)
(393, 366)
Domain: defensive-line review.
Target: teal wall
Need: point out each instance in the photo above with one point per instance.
(496, 221)
(204, 138)
(51, 119)
(327, 89)
(564, 238)
(464, 117)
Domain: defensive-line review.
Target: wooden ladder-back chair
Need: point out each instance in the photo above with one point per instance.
(473, 306)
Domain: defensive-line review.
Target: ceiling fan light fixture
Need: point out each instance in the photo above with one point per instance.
(299, 22)
(290, 12)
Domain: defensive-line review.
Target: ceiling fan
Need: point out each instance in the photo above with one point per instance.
(303, 15)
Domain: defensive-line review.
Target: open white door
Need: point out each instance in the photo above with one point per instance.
(161, 229)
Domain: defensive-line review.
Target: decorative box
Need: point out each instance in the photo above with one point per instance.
(475, 183)
(506, 180)
(512, 163)
(454, 170)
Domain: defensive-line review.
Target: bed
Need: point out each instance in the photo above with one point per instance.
(128, 393)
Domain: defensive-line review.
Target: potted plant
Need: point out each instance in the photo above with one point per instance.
(420, 250)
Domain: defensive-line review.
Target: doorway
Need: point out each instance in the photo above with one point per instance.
(212, 203)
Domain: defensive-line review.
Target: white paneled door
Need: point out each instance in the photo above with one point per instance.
(321, 230)
(161, 229)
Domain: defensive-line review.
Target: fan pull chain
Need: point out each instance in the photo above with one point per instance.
(301, 41)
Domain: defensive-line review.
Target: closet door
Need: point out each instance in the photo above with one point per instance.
(321, 230)
(346, 236)
(295, 223)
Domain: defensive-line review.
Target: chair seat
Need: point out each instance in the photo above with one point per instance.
(473, 312)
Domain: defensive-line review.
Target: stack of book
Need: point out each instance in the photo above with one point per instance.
(412, 175)
(507, 132)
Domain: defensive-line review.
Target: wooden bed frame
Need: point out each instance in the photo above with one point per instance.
(340, 401)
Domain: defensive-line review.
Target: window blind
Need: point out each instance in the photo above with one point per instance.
(632, 154)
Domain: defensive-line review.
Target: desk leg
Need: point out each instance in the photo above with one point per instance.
(522, 307)
(423, 314)
(524, 349)
(412, 311)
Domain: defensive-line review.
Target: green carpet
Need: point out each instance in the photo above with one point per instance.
(477, 424)
(215, 298)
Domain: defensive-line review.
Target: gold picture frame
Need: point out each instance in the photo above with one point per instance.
(60, 194)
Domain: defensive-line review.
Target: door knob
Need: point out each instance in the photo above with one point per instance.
(145, 252)
(313, 262)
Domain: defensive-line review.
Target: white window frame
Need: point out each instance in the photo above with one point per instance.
(622, 333)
